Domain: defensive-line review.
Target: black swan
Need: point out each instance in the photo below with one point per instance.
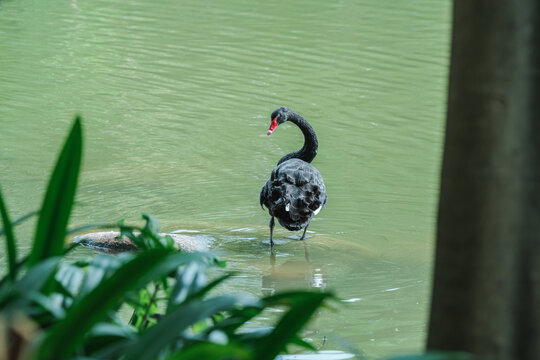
(295, 191)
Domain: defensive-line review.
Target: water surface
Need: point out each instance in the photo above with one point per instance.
(176, 98)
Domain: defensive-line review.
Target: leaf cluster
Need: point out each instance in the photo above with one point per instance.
(52, 308)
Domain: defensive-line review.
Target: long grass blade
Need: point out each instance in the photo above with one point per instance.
(58, 201)
(10, 240)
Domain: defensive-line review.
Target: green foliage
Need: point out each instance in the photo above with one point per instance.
(53, 308)
(58, 200)
(10, 240)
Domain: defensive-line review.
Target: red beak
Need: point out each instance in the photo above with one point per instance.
(273, 126)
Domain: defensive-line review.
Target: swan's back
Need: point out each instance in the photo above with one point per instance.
(294, 193)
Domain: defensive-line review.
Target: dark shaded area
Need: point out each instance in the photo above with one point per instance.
(486, 293)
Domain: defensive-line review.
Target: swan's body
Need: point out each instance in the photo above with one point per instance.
(295, 191)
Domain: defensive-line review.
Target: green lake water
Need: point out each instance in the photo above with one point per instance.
(176, 99)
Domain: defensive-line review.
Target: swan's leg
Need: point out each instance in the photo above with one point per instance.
(304, 234)
(272, 223)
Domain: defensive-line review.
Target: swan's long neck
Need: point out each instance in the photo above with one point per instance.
(309, 150)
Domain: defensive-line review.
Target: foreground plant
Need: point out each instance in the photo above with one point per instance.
(51, 308)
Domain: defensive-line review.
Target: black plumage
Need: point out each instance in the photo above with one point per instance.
(295, 191)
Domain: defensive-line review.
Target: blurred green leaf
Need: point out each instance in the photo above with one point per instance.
(251, 336)
(118, 330)
(16, 296)
(213, 351)
(148, 236)
(70, 278)
(11, 247)
(201, 326)
(152, 224)
(302, 307)
(239, 317)
(51, 304)
(109, 340)
(156, 338)
(200, 293)
(36, 277)
(297, 340)
(58, 200)
(101, 268)
(189, 280)
(289, 298)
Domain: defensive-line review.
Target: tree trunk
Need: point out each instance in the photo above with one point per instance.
(486, 293)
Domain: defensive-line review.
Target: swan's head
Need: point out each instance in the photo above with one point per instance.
(279, 116)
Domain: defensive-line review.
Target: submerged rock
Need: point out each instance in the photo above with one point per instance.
(111, 242)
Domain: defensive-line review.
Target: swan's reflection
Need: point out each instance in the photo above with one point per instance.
(302, 274)
(293, 274)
